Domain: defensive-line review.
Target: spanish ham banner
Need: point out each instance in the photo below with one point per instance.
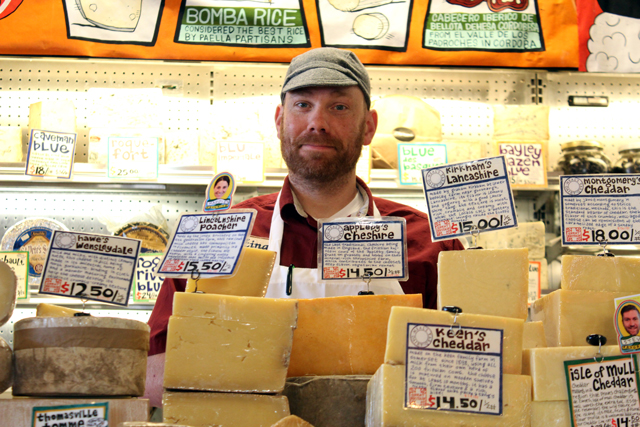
(495, 33)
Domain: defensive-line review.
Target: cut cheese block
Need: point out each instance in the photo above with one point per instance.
(385, 407)
(80, 356)
(51, 310)
(401, 316)
(521, 123)
(6, 365)
(550, 414)
(533, 335)
(251, 279)
(223, 409)
(594, 273)
(229, 343)
(481, 281)
(530, 235)
(343, 335)
(10, 144)
(329, 401)
(292, 421)
(182, 149)
(8, 292)
(59, 116)
(570, 316)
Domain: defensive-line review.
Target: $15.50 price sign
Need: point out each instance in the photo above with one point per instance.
(600, 208)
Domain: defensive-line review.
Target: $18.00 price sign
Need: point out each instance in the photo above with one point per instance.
(50, 154)
(600, 208)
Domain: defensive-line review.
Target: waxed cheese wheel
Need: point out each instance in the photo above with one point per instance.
(6, 365)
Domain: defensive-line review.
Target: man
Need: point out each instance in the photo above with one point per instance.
(322, 123)
(630, 320)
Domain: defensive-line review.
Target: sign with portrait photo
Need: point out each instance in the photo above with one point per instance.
(627, 323)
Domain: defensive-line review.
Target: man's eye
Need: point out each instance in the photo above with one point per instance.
(341, 107)
(302, 104)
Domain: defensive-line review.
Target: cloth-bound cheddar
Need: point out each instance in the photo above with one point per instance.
(200, 409)
(400, 318)
(51, 310)
(343, 335)
(594, 273)
(80, 356)
(292, 421)
(385, 407)
(8, 292)
(6, 365)
(229, 343)
(484, 281)
(550, 414)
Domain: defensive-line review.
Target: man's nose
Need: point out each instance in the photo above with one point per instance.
(317, 121)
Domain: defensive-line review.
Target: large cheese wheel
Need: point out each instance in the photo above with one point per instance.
(6, 365)
(8, 292)
(80, 356)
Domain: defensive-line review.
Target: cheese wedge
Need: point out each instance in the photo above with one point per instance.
(223, 409)
(533, 335)
(385, 407)
(570, 316)
(550, 414)
(343, 335)
(51, 310)
(229, 343)
(57, 116)
(396, 350)
(251, 279)
(8, 292)
(493, 282)
(6, 365)
(292, 421)
(594, 273)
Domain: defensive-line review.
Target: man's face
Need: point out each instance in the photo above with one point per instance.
(322, 131)
(630, 322)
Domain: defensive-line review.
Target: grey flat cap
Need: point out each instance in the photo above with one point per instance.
(327, 66)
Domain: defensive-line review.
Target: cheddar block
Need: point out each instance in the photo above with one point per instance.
(292, 421)
(251, 279)
(530, 235)
(401, 316)
(8, 292)
(10, 144)
(59, 116)
(594, 273)
(223, 409)
(533, 335)
(343, 335)
(493, 282)
(570, 316)
(51, 310)
(550, 414)
(6, 365)
(385, 407)
(229, 343)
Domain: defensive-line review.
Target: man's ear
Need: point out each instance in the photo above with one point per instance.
(279, 117)
(371, 125)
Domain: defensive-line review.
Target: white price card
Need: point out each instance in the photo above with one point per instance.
(535, 281)
(412, 158)
(600, 208)
(50, 154)
(245, 160)
(82, 414)
(526, 165)
(468, 196)
(454, 368)
(604, 391)
(90, 266)
(147, 284)
(207, 245)
(132, 157)
(627, 323)
(18, 261)
(363, 248)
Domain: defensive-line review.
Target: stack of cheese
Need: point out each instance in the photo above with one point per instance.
(8, 295)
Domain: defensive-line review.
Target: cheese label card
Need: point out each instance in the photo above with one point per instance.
(132, 157)
(603, 392)
(90, 266)
(468, 196)
(50, 154)
(207, 245)
(147, 284)
(219, 196)
(454, 368)
(19, 263)
(245, 160)
(535, 281)
(363, 248)
(412, 158)
(526, 165)
(84, 414)
(363, 167)
(600, 209)
(627, 323)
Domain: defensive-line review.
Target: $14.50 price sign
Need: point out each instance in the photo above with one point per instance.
(600, 208)
(464, 197)
(90, 266)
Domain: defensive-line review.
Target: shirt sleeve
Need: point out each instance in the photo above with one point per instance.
(159, 320)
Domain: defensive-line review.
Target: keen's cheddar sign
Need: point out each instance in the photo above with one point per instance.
(509, 33)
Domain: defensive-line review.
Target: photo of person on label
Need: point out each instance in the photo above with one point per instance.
(323, 121)
(220, 186)
(630, 319)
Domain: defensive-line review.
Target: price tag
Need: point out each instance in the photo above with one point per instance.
(19, 263)
(50, 154)
(468, 196)
(209, 245)
(85, 414)
(245, 160)
(452, 368)
(412, 158)
(627, 323)
(132, 157)
(597, 208)
(90, 266)
(603, 392)
(364, 247)
(535, 281)
(526, 165)
(147, 284)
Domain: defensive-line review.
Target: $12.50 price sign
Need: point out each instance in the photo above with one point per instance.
(600, 208)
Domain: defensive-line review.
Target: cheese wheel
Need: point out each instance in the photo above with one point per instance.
(8, 292)
(6, 365)
(292, 421)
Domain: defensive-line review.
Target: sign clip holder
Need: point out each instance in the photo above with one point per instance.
(367, 279)
(455, 310)
(599, 340)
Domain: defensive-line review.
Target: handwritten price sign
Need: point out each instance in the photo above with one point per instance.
(132, 157)
(50, 154)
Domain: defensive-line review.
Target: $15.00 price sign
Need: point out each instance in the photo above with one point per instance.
(464, 197)
(600, 208)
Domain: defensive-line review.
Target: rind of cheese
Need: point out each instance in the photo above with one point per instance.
(530, 235)
(400, 316)
(570, 316)
(594, 273)
(343, 335)
(223, 409)
(251, 279)
(385, 408)
(292, 421)
(59, 116)
(550, 414)
(481, 281)
(533, 335)
(6, 365)
(50, 310)
(8, 292)
(11, 143)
